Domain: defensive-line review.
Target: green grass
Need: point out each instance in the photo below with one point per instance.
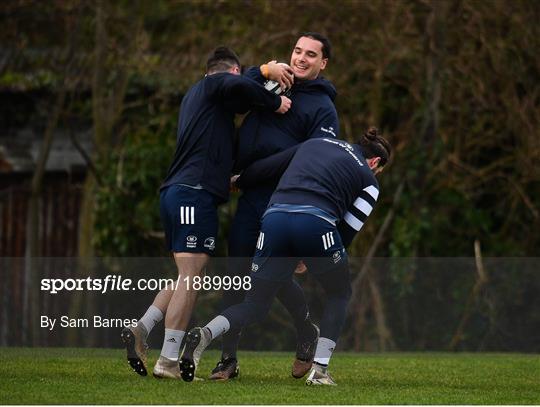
(101, 376)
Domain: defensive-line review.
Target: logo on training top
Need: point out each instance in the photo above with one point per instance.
(210, 243)
(336, 257)
(254, 267)
(329, 130)
(347, 147)
(191, 242)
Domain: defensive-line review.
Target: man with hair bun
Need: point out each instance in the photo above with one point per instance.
(300, 223)
(196, 183)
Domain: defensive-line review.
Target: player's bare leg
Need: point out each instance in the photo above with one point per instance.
(183, 298)
(162, 299)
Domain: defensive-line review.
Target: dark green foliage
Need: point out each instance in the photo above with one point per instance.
(454, 85)
(127, 212)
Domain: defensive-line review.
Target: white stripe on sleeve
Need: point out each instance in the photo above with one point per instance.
(363, 206)
(374, 192)
(353, 221)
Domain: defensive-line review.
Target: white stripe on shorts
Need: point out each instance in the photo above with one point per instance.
(187, 215)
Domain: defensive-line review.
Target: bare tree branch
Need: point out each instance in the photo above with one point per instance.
(481, 280)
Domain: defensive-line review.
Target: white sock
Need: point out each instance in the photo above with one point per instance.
(151, 318)
(324, 350)
(218, 326)
(171, 343)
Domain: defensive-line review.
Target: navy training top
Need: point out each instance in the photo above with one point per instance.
(312, 115)
(204, 140)
(329, 174)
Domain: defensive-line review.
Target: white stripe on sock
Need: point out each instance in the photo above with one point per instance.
(218, 326)
(325, 348)
(151, 317)
(171, 343)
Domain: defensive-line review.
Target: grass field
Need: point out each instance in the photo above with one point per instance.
(101, 376)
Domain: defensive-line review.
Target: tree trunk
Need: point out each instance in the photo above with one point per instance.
(434, 43)
(107, 106)
(31, 308)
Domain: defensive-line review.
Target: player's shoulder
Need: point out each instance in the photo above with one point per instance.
(370, 181)
(313, 106)
(223, 78)
(319, 89)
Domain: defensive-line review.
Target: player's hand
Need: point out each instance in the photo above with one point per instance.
(281, 73)
(285, 105)
(233, 186)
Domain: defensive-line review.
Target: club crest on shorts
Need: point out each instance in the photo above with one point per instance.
(191, 242)
(254, 267)
(336, 256)
(210, 243)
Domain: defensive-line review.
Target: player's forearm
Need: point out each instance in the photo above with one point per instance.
(250, 94)
(266, 170)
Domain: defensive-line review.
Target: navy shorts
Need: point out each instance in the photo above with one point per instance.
(287, 238)
(190, 219)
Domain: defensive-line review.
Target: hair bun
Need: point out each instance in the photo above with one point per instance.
(372, 133)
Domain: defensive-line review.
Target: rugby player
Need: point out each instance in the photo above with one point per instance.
(300, 223)
(196, 183)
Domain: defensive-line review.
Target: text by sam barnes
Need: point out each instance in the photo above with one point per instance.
(97, 321)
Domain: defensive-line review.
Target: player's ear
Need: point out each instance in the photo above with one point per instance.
(373, 162)
(323, 63)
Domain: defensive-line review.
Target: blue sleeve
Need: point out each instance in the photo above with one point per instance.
(254, 73)
(326, 123)
(266, 170)
(242, 94)
(347, 233)
(358, 212)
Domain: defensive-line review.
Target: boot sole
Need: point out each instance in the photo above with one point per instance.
(187, 364)
(137, 365)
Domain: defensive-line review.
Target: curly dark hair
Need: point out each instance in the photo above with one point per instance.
(375, 145)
